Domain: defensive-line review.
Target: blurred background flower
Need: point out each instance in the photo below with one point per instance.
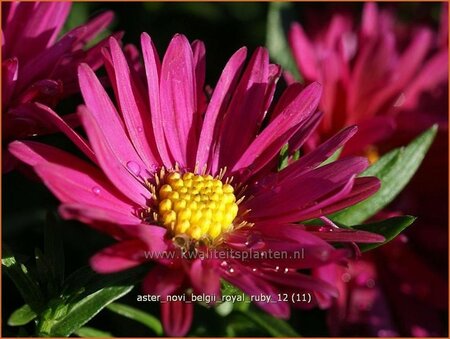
(39, 65)
(390, 77)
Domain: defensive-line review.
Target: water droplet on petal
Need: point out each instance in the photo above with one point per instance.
(286, 270)
(139, 129)
(96, 190)
(231, 271)
(254, 241)
(277, 268)
(134, 167)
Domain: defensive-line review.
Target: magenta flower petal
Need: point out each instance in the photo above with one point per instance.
(199, 54)
(44, 63)
(46, 117)
(299, 281)
(370, 132)
(303, 51)
(70, 179)
(118, 257)
(251, 284)
(206, 153)
(320, 154)
(162, 281)
(279, 131)
(94, 214)
(153, 73)
(176, 318)
(32, 27)
(118, 160)
(179, 101)
(246, 106)
(39, 66)
(205, 277)
(342, 235)
(9, 78)
(296, 193)
(133, 107)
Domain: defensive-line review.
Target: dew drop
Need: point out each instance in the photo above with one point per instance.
(133, 167)
(277, 268)
(139, 129)
(96, 190)
(254, 241)
(286, 270)
(231, 271)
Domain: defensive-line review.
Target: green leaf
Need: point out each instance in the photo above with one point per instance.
(395, 170)
(19, 274)
(90, 332)
(278, 19)
(142, 317)
(21, 316)
(284, 157)
(388, 228)
(83, 311)
(333, 157)
(83, 296)
(274, 326)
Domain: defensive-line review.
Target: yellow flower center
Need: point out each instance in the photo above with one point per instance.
(199, 206)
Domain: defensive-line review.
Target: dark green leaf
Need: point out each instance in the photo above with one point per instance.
(394, 169)
(142, 317)
(274, 326)
(19, 274)
(388, 228)
(21, 316)
(84, 295)
(84, 310)
(278, 21)
(90, 332)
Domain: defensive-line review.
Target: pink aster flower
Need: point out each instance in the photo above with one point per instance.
(387, 80)
(371, 75)
(174, 173)
(38, 65)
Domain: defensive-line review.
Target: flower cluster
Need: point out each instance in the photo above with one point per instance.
(39, 67)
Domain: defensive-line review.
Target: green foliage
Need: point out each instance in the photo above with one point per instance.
(26, 284)
(388, 228)
(142, 317)
(21, 316)
(273, 326)
(90, 332)
(395, 169)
